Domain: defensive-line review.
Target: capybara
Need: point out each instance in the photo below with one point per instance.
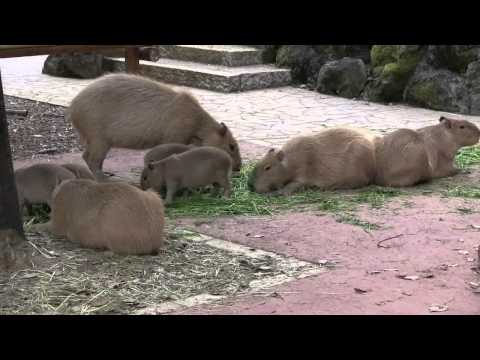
(198, 167)
(408, 157)
(80, 171)
(108, 216)
(130, 111)
(163, 151)
(337, 158)
(36, 183)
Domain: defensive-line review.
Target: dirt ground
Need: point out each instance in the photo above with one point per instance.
(420, 258)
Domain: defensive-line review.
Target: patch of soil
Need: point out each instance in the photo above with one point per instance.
(424, 255)
(43, 131)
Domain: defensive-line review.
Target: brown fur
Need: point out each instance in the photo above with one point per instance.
(36, 183)
(407, 157)
(194, 168)
(80, 171)
(338, 158)
(129, 111)
(113, 216)
(163, 151)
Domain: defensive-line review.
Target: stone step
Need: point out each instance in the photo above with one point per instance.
(211, 77)
(226, 55)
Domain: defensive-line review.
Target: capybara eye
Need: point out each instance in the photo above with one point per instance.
(232, 147)
(462, 126)
(144, 178)
(267, 168)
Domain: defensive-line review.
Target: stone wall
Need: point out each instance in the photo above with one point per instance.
(440, 77)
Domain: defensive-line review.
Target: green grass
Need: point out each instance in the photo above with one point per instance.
(342, 204)
(468, 157)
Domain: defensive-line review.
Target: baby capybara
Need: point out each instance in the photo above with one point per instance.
(130, 111)
(407, 157)
(163, 151)
(36, 183)
(198, 167)
(108, 216)
(338, 158)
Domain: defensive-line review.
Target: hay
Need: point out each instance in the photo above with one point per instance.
(71, 280)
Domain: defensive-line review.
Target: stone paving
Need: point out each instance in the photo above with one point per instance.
(263, 117)
(436, 243)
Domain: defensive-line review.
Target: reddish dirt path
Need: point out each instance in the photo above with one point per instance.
(436, 237)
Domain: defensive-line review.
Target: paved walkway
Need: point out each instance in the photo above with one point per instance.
(264, 117)
(437, 244)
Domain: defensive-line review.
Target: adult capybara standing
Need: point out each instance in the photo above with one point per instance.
(114, 216)
(338, 158)
(130, 111)
(407, 157)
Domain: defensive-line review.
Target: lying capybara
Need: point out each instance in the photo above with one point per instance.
(114, 216)
(200, 166)
(407, 157)
(130, 111)
(80, 171)
(338, 158)
(36, 183)
(163, 151)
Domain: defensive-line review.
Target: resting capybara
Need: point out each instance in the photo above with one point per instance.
(407, 157)
(200, 166)
(163, 151)
(130, 111)
(36, 183)
(80, 171)
(114, 216)
(338, 158)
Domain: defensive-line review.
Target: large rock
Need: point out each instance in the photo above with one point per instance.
(393, 65)
(438, 89)
(345, 77)
(473, 84)
(305, 61)
(452, 57)
(74, 65)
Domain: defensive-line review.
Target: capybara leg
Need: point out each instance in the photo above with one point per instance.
(225, 184)
(171, 191)
(96, 155)
(290, 188)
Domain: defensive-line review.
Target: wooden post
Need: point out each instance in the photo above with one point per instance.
(132, 58)
(10, 216)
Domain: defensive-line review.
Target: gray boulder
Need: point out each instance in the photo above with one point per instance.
(345, 77)
(74, 65)
(438, 89)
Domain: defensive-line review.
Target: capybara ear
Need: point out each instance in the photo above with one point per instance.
(280, 155)
(445, 121)
(271, 151)
(223, 129)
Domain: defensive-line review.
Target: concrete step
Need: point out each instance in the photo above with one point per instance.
(211, 77)
(226, 55)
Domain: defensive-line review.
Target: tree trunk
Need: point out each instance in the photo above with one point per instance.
(10, 216)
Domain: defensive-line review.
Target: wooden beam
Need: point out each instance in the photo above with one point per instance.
(10, 216)
(132, 59)
(19, 51)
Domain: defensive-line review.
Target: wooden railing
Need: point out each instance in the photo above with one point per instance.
(132, 52)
